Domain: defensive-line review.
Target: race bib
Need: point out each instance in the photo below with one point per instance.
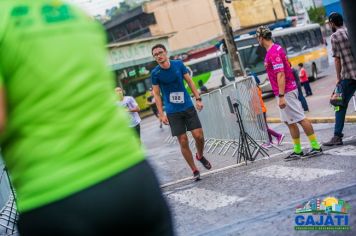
(176, 97)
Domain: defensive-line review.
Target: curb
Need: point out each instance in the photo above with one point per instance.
(348, 119)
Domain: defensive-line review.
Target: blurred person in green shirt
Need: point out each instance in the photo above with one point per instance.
(77, 167)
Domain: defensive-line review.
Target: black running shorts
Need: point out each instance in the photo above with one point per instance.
(130, 203)
(181, 122)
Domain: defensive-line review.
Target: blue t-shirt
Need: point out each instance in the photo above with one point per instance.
(171, 83)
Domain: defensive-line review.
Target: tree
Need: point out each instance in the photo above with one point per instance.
(317, 15)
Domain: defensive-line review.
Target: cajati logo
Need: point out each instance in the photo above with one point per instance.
(327, 214)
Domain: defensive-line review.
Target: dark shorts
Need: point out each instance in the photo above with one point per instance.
(130, 203)
(181, 122)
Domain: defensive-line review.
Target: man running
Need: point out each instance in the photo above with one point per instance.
(75, 165)
(285, 89)
(168, 77)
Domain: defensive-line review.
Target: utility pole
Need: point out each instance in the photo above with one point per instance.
(224, 16)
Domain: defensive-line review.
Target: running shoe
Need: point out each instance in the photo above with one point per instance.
(314, 152)
(280, 139)
(196, 175)
(203, 161)
(294, 156)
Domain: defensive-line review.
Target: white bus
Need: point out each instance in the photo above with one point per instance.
(207, 69)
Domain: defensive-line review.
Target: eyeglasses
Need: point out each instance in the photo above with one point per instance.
(158, 54)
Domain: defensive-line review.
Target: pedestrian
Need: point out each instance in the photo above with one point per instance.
(75, 165)
(345, 64)
(131, 106)
(285, 89)
(152, 103)
(168, 77)
(202, 88)
(301, 97)
(303, 76)
(270, 131)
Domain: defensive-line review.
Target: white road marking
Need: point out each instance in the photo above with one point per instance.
(347, 150)
(293, 173)
(202, 174)
(204, 199)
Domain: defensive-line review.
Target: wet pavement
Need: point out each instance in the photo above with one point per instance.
(254, 199)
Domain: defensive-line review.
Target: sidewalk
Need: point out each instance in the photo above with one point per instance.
(320, 111)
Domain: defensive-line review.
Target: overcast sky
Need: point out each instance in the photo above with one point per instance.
(95, 7)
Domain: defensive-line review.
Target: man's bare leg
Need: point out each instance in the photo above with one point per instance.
(187, 154)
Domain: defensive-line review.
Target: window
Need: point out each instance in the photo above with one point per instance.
(253, 58)
(133, 26)
(246, 42)
(314, 38)
(148, 83)
(305, 39)
(292, 43)
(319, 37)
(141, 87)
(205, 66)
(279, 40)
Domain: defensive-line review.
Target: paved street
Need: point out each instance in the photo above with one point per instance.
(259, 198)
(254, 199)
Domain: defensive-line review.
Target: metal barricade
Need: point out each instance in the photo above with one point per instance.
(220, 127)
(8, 212)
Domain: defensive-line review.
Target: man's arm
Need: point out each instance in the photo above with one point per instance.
(2, 110)
(191, 85)
(336, 53)
(338, 68)
(157, 95)
(134, 105)
(281, 80)
(195, 92)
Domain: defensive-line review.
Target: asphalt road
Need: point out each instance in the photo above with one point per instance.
(259, 198)
(254, 199)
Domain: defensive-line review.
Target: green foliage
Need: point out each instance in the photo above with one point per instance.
(317, 15)
(128, 5)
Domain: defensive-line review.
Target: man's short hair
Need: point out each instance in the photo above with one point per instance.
(300, 64)
(264, 32)
(336, 18)
(158, 46)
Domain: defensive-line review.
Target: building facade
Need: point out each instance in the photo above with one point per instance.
(257, 12)
(193, 22)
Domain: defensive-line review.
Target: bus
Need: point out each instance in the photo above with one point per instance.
(303, 44)
(136, 82)
(208, 69)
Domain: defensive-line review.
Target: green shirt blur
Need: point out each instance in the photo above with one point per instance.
(63, 131)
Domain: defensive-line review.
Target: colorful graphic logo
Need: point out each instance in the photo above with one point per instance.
(328, 214)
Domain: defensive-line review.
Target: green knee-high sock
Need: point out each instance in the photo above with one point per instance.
(313, 141)
(297, 145)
